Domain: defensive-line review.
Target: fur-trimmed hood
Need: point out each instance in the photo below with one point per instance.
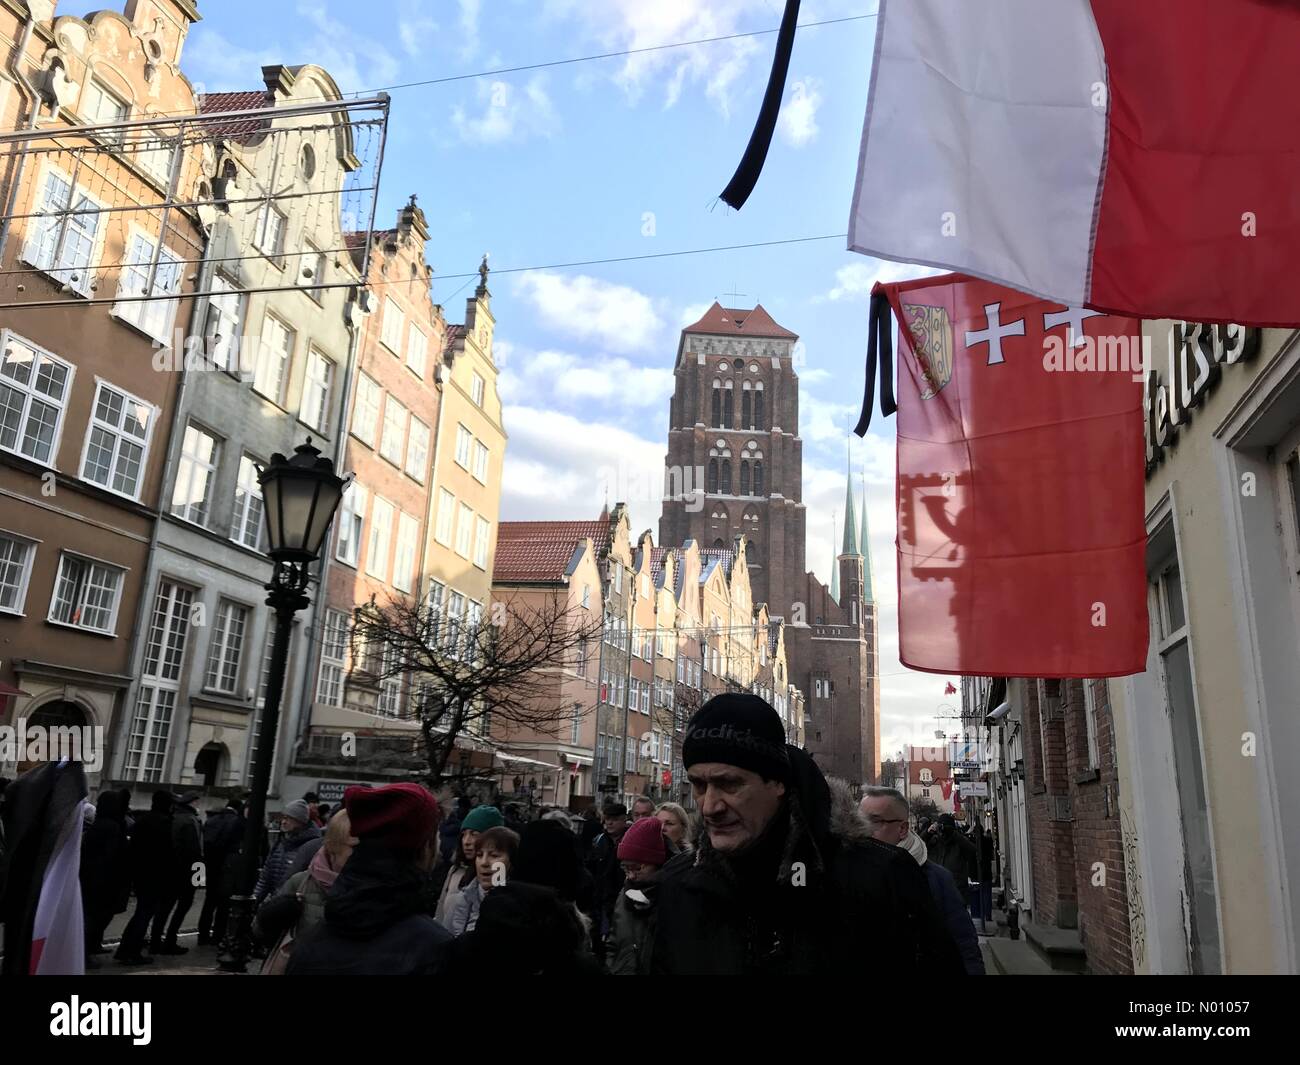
(847, 821)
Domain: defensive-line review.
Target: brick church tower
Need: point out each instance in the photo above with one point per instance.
(735, 468)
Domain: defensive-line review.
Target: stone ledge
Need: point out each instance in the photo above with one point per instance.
(1060, 948)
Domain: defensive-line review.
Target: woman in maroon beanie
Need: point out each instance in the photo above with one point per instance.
(642, 852)
(376, 920)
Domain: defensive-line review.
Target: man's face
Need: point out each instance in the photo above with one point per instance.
(635, 872)
(291, 824)
(888, 823)
(616, 826)
(736, 804)
(642, 809)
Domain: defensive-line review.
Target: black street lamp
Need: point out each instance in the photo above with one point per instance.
(300, 495)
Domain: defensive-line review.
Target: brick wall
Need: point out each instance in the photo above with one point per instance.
(1051, 840)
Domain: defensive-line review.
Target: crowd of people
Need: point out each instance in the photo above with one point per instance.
(779, 870)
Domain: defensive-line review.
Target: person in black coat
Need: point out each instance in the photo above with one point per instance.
(786, 879)
(151, 872)
(105, 869)
(223, 834)
(606, 875)
(953, 851)
(187, 861)
(376, 915)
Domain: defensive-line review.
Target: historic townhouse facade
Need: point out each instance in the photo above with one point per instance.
(85, 408)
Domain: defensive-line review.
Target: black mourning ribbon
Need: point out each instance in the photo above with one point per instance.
(751, 163)
(880, 328)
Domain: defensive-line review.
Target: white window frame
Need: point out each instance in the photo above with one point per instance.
(80, 605)
(408, 545)
(380, 541)
(153, 316)
(463, 439)
(161, 675)
(464, 530)
(445, 528)
(390, 333)
(282, 362)
(316, 391)
(481, 457)
(223, 318)
(225, 643)
(119, 435)
(96, 116)
(417, 350)
(352, 524)
(24, 571)
(417, 450)
(333, 666)
(313, 256)
(76, 274)
(392, 440)
(1090, 725)
(31, 394)
(366, 410)
(274, 248)
(190, 464)
(482, 540)
(477, 389)
(248, 498)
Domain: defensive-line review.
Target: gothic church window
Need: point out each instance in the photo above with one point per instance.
(758, 422)
(725, 482)
(712, 483)
(717, 405)
(744, 475)
(746, 409)
(758, 478)
(728, 407)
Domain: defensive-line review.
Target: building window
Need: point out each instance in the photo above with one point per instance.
(392, 444)
(194, 475)
(480, 462)
(711, 485)
(391, 332)
(433, 609)
(575, 732)
(716, 410)
(62, 242)
(580, 666)
(1090, 723)
(102, 108)
(247, 526)
(417, 450)
(476, 390)
(473, 630)
(316, 391)
(154, 314)
(221, 322)
(226, 648)
(311, 269)
(417, 350)
(16, 557)
(463, 439)
(87, 594)
(352, 519)
(164, 657)
(390, 683)
(333, 658)
(586, 596)
(758, 478)
(273, 355)
(446, 516)
(381, 534)
(118, 441)
(464, 530)
(365, 418)
(744, 477)
(746, 409)
(724, 483)
(408, 538)
(455, 610)
(482, 539)
(270, 231)
(33, 390)
(728, 406)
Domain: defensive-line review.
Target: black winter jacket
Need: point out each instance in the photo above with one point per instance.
(815, 895)
(376, 922)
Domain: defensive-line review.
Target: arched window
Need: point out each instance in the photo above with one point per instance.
(751, 552)
(718, 543)
(725, 484)
(728, 407)
(717, 405)
(746, 410)
(758, 478)
(712, 483)
(744, 472)
(758, 411)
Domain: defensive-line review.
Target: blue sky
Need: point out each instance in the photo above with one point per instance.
(620, 157)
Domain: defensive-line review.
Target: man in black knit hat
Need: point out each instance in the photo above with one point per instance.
(787, 879)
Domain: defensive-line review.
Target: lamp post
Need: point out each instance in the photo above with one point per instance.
(300, 495)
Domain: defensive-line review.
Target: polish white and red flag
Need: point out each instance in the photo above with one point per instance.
(1139, 157)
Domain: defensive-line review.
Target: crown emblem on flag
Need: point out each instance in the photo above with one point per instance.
(932, 341)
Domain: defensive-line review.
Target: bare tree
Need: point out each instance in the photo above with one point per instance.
(466, 675)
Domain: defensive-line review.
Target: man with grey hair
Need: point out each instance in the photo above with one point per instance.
(886, 814)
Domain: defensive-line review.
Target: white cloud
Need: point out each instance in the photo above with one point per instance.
(797, 122)
(619, 318)
(469, 12)
(619, 25)
(855, 280)
(692, 313)
(573, 380)
(508, 113)
(414, 29)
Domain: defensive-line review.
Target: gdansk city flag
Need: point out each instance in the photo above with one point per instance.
(1140, 157)
(1021, 534)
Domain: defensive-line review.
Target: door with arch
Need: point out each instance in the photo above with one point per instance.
(60, 714)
